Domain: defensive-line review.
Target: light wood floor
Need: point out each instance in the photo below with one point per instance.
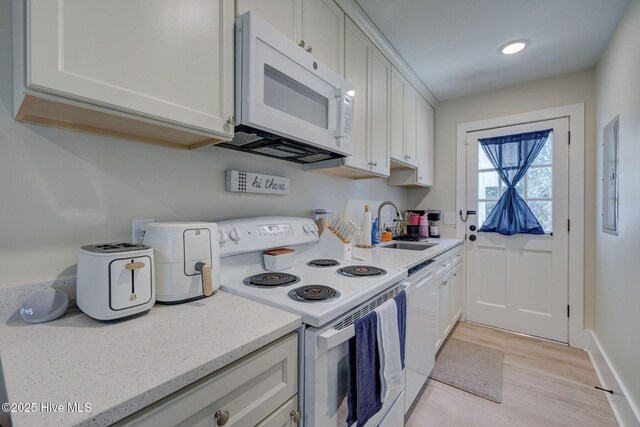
(544, 384)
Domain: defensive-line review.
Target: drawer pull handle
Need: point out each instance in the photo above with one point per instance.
(221, 417)
(134, 265)
(296, 416)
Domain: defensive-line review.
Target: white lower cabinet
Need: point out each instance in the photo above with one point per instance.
(450, 281)
(260, 389)
(158, 72)
(285, 416)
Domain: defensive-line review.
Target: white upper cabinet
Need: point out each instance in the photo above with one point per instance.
(164, 62)
(357, 71)
(398, 83)
(418, 144)
(317, 26)
(404, 98)
(424, 138)
(323, 32)
(284, 15)
(411, 137)
(379, 119)
(370, 73)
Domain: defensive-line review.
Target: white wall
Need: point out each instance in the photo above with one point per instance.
(553, 92)
(60, 190)
(617, 290)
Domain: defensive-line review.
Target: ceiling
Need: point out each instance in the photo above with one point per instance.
(453, 45)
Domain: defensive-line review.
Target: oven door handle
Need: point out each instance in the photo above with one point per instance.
(334, 337)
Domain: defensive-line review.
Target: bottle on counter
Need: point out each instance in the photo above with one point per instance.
(375, 238)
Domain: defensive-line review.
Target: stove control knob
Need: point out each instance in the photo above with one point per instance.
(235, 234)
(222, 236)
(306, 228)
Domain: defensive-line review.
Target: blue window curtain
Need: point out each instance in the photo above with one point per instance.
(512, 155)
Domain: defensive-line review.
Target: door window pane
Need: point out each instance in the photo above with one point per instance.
(489, 185)
(539, 182)
(543, 211)
(484, 162)
(544, 157)
(484, 209)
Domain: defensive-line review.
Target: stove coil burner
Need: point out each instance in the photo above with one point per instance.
(313, 293)
(361, 271)
(271, 280)
(323, 262)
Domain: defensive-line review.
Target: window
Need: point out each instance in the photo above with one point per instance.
(536, 188)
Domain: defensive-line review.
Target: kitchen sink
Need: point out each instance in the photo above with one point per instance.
(409, 246)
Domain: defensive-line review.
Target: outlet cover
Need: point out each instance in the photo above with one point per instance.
(136, 228)
(450, 218)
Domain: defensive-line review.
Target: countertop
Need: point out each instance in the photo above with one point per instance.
(122, 367)
(404, 258)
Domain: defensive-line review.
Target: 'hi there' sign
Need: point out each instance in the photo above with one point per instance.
(249, 182)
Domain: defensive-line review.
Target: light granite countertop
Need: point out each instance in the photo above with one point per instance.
(404, 258)
(122, 367)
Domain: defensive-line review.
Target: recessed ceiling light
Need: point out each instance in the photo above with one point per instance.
(513, 47)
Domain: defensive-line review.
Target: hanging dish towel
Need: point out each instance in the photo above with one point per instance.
(401, 306)
(388, 347)
(364, 367)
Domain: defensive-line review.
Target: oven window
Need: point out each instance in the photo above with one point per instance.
(287, 95)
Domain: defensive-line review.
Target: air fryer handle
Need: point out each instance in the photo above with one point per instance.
(207, 285)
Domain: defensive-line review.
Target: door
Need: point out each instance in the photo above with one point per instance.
(520, 282)
(323, 32)
(121, 54)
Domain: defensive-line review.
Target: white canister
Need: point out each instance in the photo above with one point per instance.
(278, 259)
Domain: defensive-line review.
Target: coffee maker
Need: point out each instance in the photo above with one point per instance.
(434, 216)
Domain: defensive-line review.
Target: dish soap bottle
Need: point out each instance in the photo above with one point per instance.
(375, 238)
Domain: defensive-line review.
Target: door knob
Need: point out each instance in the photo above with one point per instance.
(296, 416)
(221, 417)
(472, 237)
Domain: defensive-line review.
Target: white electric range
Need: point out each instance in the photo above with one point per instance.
(328, 293)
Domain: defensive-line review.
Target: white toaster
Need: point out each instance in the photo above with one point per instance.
(187, 259)
(115, 280)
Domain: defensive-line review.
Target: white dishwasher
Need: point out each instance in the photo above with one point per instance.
(422, 327)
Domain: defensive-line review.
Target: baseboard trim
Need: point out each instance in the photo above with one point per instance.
(624, 410)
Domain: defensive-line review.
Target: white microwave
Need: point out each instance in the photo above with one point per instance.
(288, 104)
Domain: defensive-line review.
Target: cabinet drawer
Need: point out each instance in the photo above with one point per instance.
(249, 390)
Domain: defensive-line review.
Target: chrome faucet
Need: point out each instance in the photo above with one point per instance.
(382, 205)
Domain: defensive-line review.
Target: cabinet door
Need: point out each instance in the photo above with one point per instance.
(455, 294)
(379, 119)
(323, 32)
(284, 15)
(283, 416)
(443, 318)
(166, 60)
(357, 49)
(398, 83)
(424, 142)
(410, 147)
